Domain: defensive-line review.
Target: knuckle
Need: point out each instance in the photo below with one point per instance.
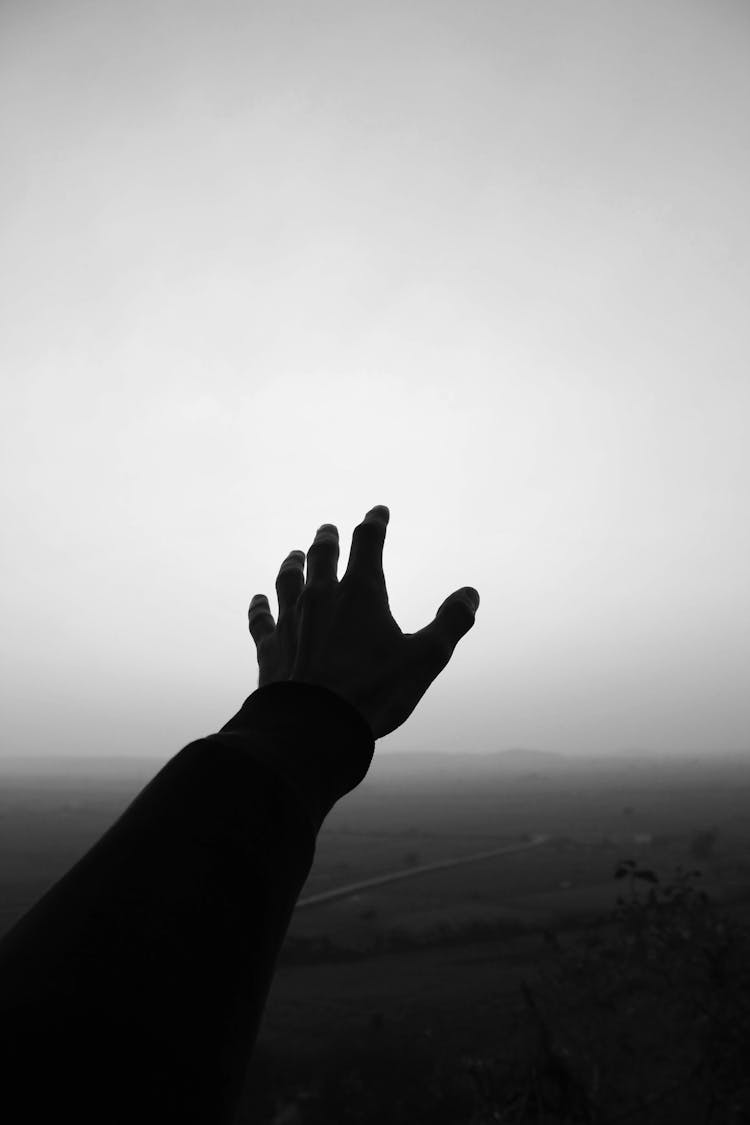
(438, 648)
(364, 583)
(324, 546)
(369, 529)
(314, 591)
(291, 563)
(287, 577)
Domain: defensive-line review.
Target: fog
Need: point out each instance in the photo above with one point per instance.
(267, 265)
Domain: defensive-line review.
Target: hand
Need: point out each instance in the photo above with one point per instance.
(341, 635)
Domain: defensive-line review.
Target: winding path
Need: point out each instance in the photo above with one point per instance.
(411, 872)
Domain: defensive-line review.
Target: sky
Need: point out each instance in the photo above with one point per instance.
(266, 265)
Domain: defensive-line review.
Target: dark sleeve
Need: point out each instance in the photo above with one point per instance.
(133, 990)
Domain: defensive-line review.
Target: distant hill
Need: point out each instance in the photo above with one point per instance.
(94, 768)
(528, 759)
(463, 765)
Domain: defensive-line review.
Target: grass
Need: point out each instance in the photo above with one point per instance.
(643, 1017)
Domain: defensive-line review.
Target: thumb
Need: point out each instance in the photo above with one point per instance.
(453, 620)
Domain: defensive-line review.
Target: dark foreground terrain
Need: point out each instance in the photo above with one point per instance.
(601, 976)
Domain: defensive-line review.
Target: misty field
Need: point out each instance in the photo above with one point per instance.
(422, 999)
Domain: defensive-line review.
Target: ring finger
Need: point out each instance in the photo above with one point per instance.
(290, 581)
(323, 556)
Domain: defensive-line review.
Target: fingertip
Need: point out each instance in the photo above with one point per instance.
(473, 596)
(466, 596)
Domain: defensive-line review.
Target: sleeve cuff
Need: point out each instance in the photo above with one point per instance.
(312, 738)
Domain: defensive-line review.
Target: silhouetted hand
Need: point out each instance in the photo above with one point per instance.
(341, 634)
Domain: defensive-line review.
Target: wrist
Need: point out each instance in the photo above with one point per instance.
(312, 737)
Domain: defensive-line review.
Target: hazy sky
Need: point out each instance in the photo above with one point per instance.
(265, 265)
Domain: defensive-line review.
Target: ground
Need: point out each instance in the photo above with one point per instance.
(431, 965)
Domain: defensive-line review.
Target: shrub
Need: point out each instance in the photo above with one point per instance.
(643, 1017)
(649, 1019)
(703, 843)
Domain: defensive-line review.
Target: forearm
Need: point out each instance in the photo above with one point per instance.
(141, 976)
(134, 989)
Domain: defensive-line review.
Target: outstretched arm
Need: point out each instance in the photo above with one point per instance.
(134, 989)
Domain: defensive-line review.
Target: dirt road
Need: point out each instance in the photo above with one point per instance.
(411, 872)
